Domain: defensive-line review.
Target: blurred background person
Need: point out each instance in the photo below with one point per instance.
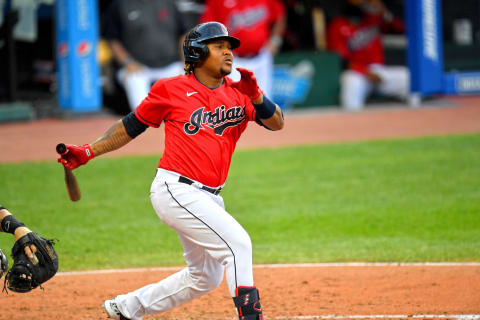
(145, 38)
(356, 36)
(259, 24)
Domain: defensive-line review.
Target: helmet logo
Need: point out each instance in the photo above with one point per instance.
(224, 29)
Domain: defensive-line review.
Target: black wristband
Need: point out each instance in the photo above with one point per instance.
(10, 223)
(266, 109)
(2, 207)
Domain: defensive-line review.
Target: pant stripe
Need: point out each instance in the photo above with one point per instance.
(233, 254)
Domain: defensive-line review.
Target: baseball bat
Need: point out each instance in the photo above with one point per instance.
(70, 180)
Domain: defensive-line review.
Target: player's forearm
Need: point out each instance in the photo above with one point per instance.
(270, 114)
(119, 52)
(276, 122)
(3, 213)
(276, 37)
(19, 231)
(279, 27)
(115, 138)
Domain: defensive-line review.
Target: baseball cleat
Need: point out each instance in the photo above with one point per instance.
(112, 310)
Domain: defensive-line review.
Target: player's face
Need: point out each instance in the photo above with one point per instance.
(220, 59)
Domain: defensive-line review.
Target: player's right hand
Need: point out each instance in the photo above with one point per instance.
(374, 78)
(76, 156)
(133, 67)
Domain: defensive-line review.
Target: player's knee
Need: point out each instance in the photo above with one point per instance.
(243, 244)
(207, 281)
(216, 279)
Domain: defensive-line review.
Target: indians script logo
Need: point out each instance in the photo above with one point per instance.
(219, 120)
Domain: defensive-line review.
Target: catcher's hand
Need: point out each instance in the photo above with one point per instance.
(28, 273)
(3, 263)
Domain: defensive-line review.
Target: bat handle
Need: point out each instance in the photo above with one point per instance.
(61, 148)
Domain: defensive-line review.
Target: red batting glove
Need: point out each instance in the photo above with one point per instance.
(75, 156)
(248, 84)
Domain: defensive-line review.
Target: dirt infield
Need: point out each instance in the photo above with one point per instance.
(288, 292)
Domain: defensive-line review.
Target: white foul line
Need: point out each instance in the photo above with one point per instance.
(299, 265)
(383, 316)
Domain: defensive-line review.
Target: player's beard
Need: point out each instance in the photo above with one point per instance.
(224, 71)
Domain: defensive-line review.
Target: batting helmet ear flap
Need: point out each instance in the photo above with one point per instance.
(196, 52)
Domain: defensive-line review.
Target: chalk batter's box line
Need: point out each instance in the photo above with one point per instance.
(383, 316)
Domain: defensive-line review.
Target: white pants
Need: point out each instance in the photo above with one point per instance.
(138, 84)
(213, 242)
(262, 67)
(355, 87)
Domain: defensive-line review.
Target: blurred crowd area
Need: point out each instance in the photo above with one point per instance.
(35, 75)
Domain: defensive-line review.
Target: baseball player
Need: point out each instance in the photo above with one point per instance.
(34, 258)
(356, 37)
(260, 25)
(144, 37)
(204, 113)
(10, 224)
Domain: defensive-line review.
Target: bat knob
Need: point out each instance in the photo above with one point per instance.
(61, 148)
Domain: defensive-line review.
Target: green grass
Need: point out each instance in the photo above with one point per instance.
(398, 200)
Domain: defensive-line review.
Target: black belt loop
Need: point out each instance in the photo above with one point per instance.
(215, 191)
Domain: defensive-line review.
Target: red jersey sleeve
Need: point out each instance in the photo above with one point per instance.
(396, 25)
(208, 14)
(155, 107)
(337, 39)
(277, 10)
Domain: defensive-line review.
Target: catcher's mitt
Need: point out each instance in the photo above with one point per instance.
(3, 263)
(27, 274)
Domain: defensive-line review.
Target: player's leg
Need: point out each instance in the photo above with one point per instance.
(202, 275)
(225, 240)
(214, 230)
(212, 239)
(395, 81)
(197, 216)
(354, 90)
(136, 85)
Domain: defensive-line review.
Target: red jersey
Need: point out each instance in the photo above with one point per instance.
(249, 21)
(360, 44)
(202, 125)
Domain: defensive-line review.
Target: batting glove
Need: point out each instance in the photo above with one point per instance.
(75, 156)
(248, 84)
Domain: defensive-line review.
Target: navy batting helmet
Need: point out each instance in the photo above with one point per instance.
(195, 44)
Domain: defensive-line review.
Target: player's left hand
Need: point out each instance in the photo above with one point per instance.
(248, 84)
